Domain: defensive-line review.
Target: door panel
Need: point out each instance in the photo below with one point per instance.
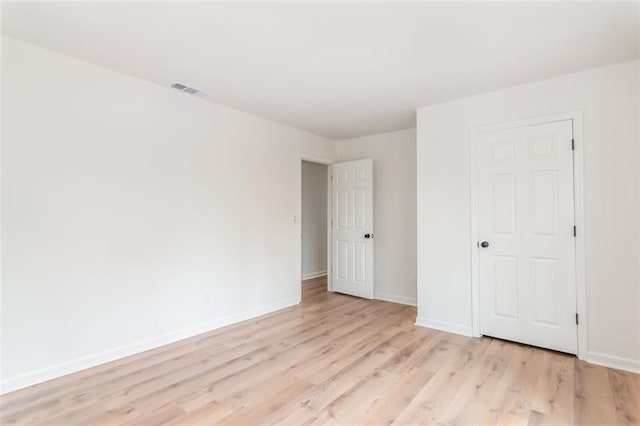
(543, 187)
(505, 281)
(546, 274)
(352, 219)
(504, 203)
(526, 214)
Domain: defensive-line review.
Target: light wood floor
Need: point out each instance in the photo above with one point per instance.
(334, 359)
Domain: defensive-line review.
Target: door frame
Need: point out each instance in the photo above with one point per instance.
(578, 184)
(327, 162)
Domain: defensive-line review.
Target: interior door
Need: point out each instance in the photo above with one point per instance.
(526, 235)
(352, 228)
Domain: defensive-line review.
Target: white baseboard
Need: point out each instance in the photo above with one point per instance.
(445, 326)
(387, 297)
(317, 274)
(41, 375)
(612, 361)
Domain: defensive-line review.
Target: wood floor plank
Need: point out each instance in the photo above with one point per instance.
(124, 413)
(333, 359)
(252, 410)
(225, 364)
(75, 416)
(159, 417)
(473, 399)
(356, 343)
(306, 405)
(389, 404)
(513, 399)
(594, 403)
(554, 393)
(411, 353)
(352, 406)
(625, 389)
(449, 374)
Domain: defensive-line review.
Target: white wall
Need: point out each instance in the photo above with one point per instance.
(608, 98)
(394, 197)
(314, 219)
(134, 215)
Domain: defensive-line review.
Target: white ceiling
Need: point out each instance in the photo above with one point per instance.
(339, 70)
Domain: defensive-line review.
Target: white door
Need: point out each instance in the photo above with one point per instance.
(352, 228)
(526, 235)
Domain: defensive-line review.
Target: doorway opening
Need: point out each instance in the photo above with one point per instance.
(313, 224)
(348, 222)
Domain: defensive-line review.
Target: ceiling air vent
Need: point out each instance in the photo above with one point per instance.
(190, 90)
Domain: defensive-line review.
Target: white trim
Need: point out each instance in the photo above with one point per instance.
(581, 256)
(312, 158)
(329, 226)
(578, 167)
(533, 121)
(473, 206)
(445, 326)
(612, 361)
(311, 275)
(388, 297)
(44, 374)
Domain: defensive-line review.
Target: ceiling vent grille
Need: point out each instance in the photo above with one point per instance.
(190, 90)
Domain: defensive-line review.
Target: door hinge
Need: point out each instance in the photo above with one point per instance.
(575, 231)
(573, 144)
(577, 318)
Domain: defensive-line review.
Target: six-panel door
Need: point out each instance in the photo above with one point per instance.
(526, 216)
(352, 228)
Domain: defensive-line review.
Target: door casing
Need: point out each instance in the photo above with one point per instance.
(578, 178)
